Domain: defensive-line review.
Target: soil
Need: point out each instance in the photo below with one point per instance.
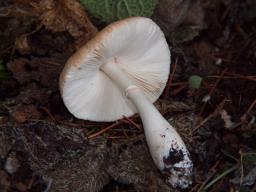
(45, 148)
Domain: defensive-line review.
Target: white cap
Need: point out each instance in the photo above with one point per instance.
(139, 46)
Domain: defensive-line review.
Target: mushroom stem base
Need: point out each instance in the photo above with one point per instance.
(167, 149)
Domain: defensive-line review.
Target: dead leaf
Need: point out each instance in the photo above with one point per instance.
(18, 68)
(55, 15)
(195, 15)
(66, 15)
(33, 93)
(185, 33)
(203, 53)
(44, 71)
(23, 113)
(171, 14)
(22, 44)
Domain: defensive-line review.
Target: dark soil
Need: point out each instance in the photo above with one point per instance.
(220, 131)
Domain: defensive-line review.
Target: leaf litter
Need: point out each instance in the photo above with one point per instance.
(43, 147)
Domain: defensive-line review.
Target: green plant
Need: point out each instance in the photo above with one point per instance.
(219, 177)
(112, 10)
(195, 81)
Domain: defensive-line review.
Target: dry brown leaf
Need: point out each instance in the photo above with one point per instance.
(42, 70)
(33, 93)
(22, 44)
(23, 113)
(195, 15)
(66, 15)
(170, 14)
(18, 68)
(57, 16)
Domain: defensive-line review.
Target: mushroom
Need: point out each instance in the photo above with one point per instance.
(120, 72)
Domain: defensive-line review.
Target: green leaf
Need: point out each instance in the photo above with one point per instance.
(219, 177)
(195, 81)
(112, 10)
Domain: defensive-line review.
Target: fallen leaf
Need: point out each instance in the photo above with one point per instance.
(22, 45)
(66, 15)
(23, 113)
(195, 15)
(202, 52)
(171, 13)
(186, 15)
(185, 33)
(33, 93)
(55, 15)
(44, 71)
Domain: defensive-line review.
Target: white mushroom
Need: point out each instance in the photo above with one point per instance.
(123, 70)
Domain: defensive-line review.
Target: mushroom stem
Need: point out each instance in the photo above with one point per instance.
(167, 149)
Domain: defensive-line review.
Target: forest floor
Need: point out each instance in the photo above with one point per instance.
(215, 40)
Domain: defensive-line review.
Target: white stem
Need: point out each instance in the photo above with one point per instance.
(167, 149)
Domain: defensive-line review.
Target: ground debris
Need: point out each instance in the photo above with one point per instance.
(67, 15)
(35, 70)
(37, 38)
(57, 16)
(180, 20)
(65, 157)
(23, 113)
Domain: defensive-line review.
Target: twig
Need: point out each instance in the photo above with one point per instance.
(104, 130)
(176, 91)
(48, 112)
(178, 83)
(214, 113)
(125, 133)
(212, 172)
(116, 137)
(194, 188)
(212, 89)
(5, 50)
(243, 118)
(218, 80)
(252, 78)
(48, 187)
(132, 122)
(242, 167)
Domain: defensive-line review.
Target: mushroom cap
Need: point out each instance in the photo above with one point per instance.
(142, 52)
